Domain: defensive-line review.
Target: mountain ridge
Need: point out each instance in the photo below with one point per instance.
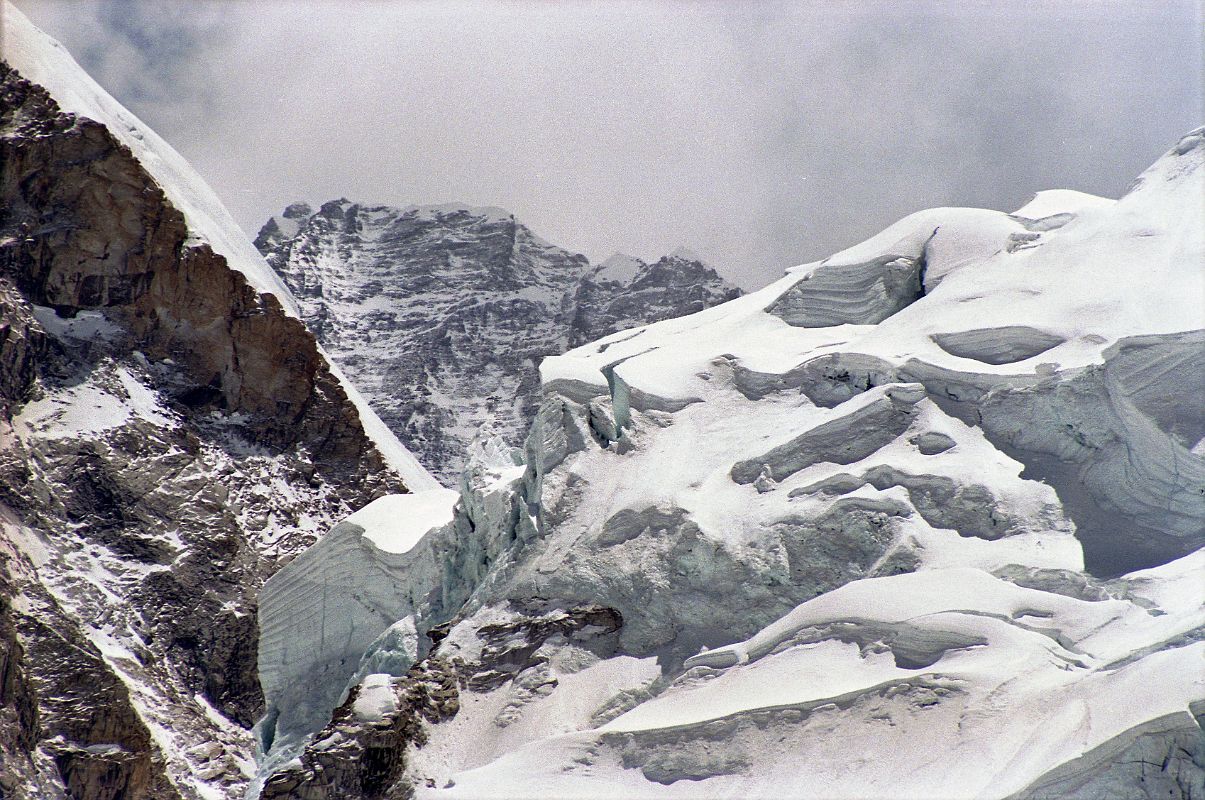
(459, 303)
(917, 520)
(170, 434)
(921, 519)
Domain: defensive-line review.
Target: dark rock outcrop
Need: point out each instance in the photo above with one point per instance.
(86, 227)
(168, 436)
(362, 752)
(355, 757)
(22, 344)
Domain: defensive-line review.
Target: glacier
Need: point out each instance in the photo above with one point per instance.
(921, 520)
(918, 520)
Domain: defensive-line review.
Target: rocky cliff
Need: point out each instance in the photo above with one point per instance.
(460, 305)
(170, 433)
(624, 292)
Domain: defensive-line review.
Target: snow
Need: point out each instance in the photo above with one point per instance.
(395, 523)
(800, 675)
(992, 658)
(921, 594)
(84, 326)
(834, 718)
(375, 699)
(473, 738)
(968, 234)
(396, 455)
(837, 567)
(1077, 286)
(96, 404)
(44, 61)
(1176, 585)
(1060, 201)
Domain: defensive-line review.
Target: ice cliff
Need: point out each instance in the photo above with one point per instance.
(922, 520)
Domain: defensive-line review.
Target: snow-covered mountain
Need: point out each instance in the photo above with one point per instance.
(920, 520)
(442, 314)
(624, 292)
(170, 433)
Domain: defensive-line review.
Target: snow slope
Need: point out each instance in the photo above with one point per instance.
(865, 431)
(946, 683)
(919, 520)
(1007, 313)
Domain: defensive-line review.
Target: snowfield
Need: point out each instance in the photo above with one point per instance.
(920, 520)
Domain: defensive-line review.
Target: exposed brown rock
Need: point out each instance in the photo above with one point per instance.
(18, 699)
(84, 226)
(175, 508)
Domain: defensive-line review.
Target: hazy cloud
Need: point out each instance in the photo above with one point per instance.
(759, 134)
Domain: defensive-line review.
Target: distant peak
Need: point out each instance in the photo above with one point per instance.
(298, 211)
(491, 213)
(619, 268)
(686, 254)
(335, 207)
(434, 211)
(284, 226)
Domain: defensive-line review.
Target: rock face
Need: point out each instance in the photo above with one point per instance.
(460, 305)
(170, 433)
(361, 753)
(624, 292)
(920, 520)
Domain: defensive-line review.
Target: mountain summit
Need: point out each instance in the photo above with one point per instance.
(459, 305)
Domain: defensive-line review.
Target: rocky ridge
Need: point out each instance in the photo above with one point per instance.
(460, 305)
(170, 433)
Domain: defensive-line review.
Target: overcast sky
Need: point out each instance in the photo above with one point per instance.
(760, 135)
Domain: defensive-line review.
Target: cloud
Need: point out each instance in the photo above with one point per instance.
(760, 134)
